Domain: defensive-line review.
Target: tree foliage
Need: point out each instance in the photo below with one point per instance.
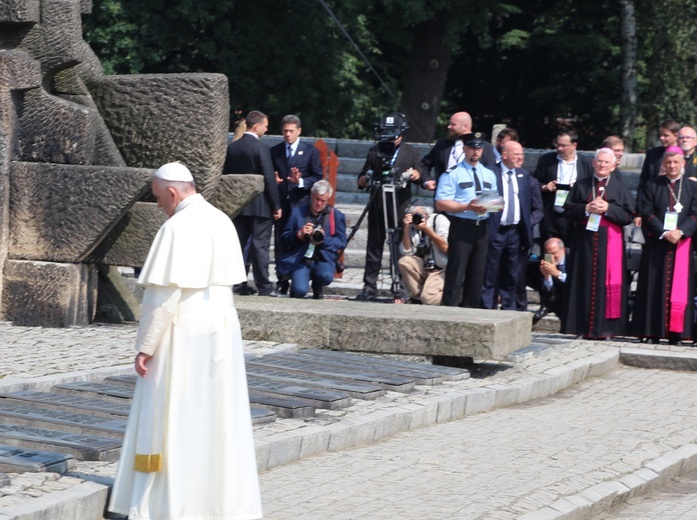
(536, 65)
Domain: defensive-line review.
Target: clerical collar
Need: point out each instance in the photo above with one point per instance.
(600, 178)
(188, 202)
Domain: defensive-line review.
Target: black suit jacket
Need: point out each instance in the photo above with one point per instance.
(545, 173)
(530, 200)
(437, 159)
(306, 159)
(249, 155)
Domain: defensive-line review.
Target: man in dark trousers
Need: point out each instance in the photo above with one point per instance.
(297, 168)
(557, 172)
(510, 231)
(249, 155)
(389, 159)
(448, 152)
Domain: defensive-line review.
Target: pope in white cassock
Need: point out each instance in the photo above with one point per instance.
(188, 452)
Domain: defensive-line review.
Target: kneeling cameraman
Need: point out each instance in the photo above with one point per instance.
(313, 235)
(424, 247)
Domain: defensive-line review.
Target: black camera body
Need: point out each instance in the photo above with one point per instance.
(417, 218)
(317, 235)
(387, 130)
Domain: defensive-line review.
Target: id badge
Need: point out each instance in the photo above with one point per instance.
(670, 221)
(560, 198)
(593, 222)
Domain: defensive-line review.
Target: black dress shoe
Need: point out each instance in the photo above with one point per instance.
(365, 296)
(541, 313)
(317, 292)
(244, 290)
(283, 286)
(272, 293)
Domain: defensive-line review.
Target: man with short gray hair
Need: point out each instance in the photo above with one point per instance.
(313, 237)
(190, 410)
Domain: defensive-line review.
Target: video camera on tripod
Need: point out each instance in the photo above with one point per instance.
(387, 130)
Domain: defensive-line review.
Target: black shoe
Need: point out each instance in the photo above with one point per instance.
(317, 292)
(272, 293)
(244, 290)
(541, 313)
(365, 296)
(282, 287)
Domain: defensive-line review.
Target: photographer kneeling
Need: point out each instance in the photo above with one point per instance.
(313, 235)
(424, 249)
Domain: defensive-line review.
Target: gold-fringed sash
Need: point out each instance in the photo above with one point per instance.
(148, 463)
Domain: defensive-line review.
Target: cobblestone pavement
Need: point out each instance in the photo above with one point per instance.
(502, 464)
(677, 500)
(494, 465)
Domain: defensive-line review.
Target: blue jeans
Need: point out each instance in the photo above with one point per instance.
(320, 273)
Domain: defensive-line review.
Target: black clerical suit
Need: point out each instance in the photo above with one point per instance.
(249, 155)
(554, 223)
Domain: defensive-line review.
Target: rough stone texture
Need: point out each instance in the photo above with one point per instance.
(378, 327)
(49, 294)
(644, 358)
(19, 11)
(160, 118)
(234, 191)
(129, 242)
(60, 213)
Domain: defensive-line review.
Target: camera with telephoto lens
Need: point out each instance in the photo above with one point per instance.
(317, 235)
(417, 218)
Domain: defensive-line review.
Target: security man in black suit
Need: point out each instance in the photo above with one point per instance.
(249, 155)
(448, 153)
(297, 167)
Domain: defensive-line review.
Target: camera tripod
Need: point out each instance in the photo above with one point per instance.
(388, 192)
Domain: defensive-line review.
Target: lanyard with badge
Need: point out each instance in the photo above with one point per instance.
(670, 221)
(595, 218)
(563, 188)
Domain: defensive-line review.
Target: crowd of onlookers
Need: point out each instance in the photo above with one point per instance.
(472, 246)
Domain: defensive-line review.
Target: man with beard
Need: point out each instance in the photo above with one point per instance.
(596, 298)
(663, 307)
(468, 239)
(448, 153)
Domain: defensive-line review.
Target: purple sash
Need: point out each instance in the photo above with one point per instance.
(678, 289)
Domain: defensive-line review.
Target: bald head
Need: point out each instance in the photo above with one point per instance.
(460, 124)
(687, 139)
(512, 154)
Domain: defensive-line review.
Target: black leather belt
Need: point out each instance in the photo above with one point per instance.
(503, 229)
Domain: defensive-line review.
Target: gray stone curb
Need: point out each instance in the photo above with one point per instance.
(81, 502)
(601, 497)
(287, 447)
(45, 383)
(645, 358)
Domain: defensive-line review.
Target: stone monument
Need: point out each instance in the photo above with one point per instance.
(77, 150)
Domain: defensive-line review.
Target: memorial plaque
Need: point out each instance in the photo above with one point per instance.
(390, 374)
(281, 406)
(260, 416)
(83, 447)
(20, 460)
(319, 398)
(104, 391)
(446, 373)
(352, 388)
(71, 403)
(22, 414)
(298, 363)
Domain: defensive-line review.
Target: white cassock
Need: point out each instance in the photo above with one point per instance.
(188, 452)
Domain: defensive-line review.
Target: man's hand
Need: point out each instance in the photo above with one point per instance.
(673, 236)
(142, 361)
(637, 221)
(414, 174)
(548, 269)
(407, 220)
(476, 207)
(306, 230)
(550, 186)
(278, 179)
(430, 185)
(277, 214)
(362, 181)
(294, 176)
(597, 205)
